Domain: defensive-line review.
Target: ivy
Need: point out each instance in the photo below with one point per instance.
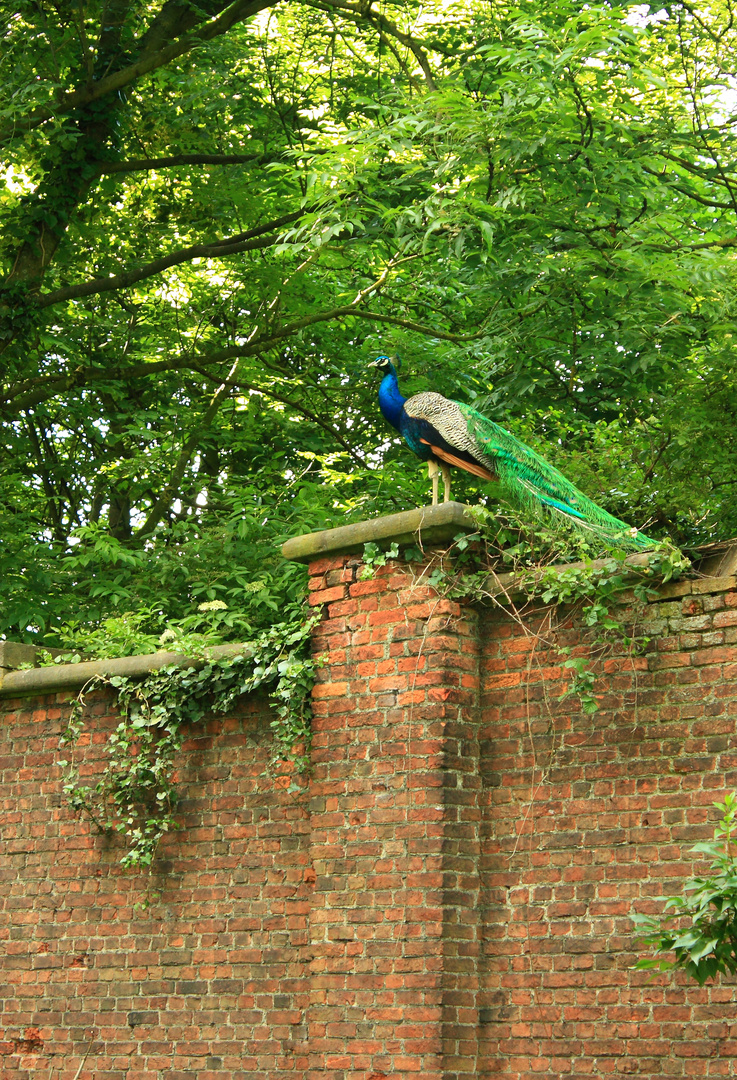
(707, 945)
(596, 590)
(374, 556)
(136, 796)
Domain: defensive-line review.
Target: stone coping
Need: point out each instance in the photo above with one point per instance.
(426, 526)
(503, 587)
(503, 584)
(55, 677)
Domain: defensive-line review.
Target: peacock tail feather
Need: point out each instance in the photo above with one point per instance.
(529, 481)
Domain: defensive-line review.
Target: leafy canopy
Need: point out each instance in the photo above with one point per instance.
(212, 216)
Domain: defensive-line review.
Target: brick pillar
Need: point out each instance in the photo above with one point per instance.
(394, 829)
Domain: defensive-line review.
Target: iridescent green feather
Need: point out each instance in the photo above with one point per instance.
(530, 481)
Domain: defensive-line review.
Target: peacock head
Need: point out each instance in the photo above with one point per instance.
(384, 364)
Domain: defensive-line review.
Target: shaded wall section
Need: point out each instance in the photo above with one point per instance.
(587, 818)
(207, 981)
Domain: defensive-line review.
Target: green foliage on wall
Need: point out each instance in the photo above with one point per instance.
(136, 794)
(697, 932)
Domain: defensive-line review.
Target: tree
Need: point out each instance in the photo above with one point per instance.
(213, 216)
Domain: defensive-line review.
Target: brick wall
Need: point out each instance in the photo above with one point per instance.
(451, 901)
(586, 818)
(207, 982)
(394, 830)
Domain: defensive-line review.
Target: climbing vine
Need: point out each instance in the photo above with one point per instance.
(516, 565)
(136, 796)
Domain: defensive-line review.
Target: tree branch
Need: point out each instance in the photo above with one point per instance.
(360, 10)
(362, 13)
(429, 331)
(189, 446)
(699, 170)
(30, 393)
(103, 168)
(218, 249)
(149, 61)
(668, 177)
(299, 407)
(730, 242)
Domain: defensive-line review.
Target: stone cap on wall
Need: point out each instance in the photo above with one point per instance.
(426, 526)
(55, 677)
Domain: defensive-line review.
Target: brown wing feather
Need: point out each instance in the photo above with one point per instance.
(472, 467)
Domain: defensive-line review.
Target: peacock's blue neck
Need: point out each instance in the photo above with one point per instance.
(391, 401)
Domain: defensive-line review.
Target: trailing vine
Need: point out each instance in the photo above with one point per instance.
(136, 796)
(515, 566)
(596, 590)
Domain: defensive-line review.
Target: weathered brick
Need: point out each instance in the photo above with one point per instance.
(323, 566)
(453, 898)
(723, 655)
(725, 618)
(328, 596)
(714, 585)
(122, 977)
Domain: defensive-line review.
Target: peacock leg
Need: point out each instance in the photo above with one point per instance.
(432, 472)
(445, 469)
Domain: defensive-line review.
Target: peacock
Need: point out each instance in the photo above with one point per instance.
(444, 433)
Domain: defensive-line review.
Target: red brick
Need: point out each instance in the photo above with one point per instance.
(322, 566)
(367, 588)
(345, 607)
(111, 963)
(454, 898)
(723, 655)
(328, 596)
(725, 619)
(387, 618)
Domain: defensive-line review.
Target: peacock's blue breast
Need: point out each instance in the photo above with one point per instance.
(413, 431)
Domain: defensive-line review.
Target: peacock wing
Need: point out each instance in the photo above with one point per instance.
(446, 417)
(529, 481)
(487, 442)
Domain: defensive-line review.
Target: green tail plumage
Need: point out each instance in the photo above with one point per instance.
(530, 481)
